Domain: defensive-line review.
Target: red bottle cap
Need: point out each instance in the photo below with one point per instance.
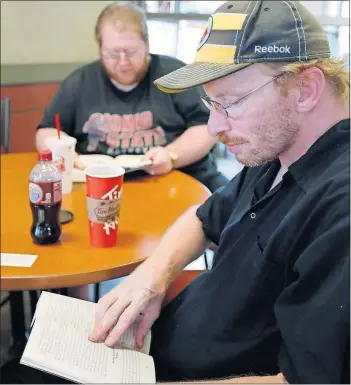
(45, 155)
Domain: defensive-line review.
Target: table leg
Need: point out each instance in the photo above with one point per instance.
(17, 319)
(64, 291)
(96, 292)
(33, 296)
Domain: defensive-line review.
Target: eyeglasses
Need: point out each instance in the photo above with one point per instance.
(209, 103)
(128, 53)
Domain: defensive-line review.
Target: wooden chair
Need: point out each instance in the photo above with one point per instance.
(180, 283)
(4, 147)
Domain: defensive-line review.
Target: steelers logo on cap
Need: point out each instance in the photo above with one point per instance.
(206, 33)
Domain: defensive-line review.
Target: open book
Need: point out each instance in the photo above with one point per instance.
(128, 162)
(59, 344)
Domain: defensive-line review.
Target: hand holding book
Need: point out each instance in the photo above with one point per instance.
(122, 306)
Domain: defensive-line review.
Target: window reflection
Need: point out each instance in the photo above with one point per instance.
(179, 37)
(332, 33)
(344, 41)
(190, 33)
(333, 8)
(160, 6)
(163, 37)
(345, 10)
(202, 7)
(316, 7)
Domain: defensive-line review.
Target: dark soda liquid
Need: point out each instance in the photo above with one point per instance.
(46, 227)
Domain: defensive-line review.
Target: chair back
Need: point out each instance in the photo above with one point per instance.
(5, 125)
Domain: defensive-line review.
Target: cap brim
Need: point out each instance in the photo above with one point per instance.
(195, 74)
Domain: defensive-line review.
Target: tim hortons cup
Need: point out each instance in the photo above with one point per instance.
(103, 194)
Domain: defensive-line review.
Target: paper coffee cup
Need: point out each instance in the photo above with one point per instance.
(104, 194)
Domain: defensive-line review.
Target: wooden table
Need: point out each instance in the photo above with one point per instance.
(149, 206)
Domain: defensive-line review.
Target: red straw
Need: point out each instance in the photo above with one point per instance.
(58, 125)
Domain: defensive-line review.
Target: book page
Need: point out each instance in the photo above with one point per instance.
(59, 344)
(127, 341)
(78, 176)
(96, 159)
(132, 161)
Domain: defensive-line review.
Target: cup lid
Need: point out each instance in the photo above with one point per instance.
(63, 141)
(104, 171)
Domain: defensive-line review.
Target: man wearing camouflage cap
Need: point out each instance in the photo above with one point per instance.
(276, 303)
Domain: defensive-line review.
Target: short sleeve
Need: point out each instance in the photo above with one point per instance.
(63, 103)
(216, 211)
(188, 103)
(313, 312)
(190, 107)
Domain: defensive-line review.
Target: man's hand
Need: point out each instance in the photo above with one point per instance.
(161, 161)
(78, 163)
(142, 294)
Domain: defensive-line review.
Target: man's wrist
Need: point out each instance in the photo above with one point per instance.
(173, 156)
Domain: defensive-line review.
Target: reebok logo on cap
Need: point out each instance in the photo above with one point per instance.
(272, 48)
(241, 33)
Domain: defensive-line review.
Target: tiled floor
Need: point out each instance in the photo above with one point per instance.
(228, 165)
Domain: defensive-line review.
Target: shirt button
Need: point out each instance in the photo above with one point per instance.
(253, 215)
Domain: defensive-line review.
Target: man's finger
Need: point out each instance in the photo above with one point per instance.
(150, 155)
(149, 170)
(111, 318)
(130, 314)
(147, 156)
(102, 307)
(144, 327)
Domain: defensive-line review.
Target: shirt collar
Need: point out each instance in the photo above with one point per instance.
(123, 87)
(321, 154)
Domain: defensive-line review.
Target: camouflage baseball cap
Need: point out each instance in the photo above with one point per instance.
(241, 33)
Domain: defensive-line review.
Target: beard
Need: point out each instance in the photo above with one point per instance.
(134, 75)
(269, 139)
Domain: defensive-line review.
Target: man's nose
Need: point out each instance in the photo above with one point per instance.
(217, 123)
(123, 59)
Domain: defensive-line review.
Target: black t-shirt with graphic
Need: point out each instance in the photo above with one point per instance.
(106, 120)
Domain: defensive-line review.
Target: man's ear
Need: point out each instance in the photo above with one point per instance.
(311, 83)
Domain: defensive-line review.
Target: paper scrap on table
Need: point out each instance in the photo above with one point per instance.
(18, 260)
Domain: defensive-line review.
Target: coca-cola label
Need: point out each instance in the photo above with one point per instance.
(45, 193)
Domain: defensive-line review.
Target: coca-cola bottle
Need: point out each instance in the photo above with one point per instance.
(45, 195)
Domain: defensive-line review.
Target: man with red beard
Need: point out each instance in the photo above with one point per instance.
(275, 307)
(112, 107)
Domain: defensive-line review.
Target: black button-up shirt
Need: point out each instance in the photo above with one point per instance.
(277, 298)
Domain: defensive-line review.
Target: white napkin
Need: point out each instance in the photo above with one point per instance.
(18, 260)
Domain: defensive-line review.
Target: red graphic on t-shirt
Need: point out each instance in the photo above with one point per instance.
(129, 132)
